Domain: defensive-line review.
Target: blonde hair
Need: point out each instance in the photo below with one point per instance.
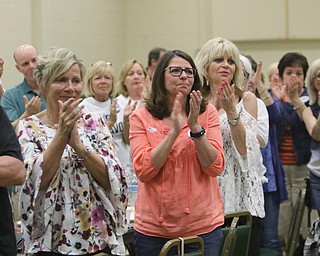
(272, 70)
(312, 72)
(99, 67)
(122, 89)
(54, 63)
(218, 47)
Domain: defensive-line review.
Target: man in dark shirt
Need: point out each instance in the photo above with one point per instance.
(12, 172)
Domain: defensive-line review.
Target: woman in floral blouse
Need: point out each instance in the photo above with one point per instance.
(74, 199)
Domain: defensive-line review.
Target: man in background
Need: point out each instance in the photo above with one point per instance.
(24, 99)
(153, 58)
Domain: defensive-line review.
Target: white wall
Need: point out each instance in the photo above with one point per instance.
(117, 30)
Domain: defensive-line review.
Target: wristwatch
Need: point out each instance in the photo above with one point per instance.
(197, 134)
(234, 122)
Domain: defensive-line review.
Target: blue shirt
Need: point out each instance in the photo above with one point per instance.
(300, 136)
(12, 100)
(271, 159)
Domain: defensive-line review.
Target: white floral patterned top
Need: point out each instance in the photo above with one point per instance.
(75, 215)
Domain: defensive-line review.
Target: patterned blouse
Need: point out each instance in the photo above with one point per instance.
(75, 215)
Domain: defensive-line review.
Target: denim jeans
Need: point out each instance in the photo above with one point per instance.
(269, 236)
(151, 246)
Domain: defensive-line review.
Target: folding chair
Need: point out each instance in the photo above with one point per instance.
(294, 228)
(180, 242)
(236, 236)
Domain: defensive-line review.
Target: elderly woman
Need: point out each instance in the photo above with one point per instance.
(100, 91)
(241, 181)
(74, 199)
(310, 116)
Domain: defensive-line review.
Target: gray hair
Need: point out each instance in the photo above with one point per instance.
(312, 72)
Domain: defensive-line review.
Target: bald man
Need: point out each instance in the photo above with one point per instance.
(24, 99)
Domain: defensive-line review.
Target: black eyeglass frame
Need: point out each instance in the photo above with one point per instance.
(182, 70)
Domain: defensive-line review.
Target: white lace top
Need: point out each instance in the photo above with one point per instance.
(241, 181)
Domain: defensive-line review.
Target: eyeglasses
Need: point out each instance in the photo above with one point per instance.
(317, 77)
(177, 71)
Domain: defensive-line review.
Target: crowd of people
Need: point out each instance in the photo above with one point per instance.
(204, 137)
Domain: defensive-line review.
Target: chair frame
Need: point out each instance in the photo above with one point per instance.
(229, 242)
(180, 242)
(295, 223)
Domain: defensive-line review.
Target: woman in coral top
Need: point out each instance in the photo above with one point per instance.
(177, 153)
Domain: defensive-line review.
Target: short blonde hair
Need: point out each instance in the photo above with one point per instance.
(99, 67)
(218, 47)
(272, 70)
(312, 72)
(54, 63)
(122, 89)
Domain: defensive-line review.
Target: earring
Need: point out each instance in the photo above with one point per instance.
(207, 82)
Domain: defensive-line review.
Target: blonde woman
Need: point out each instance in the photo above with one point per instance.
(100, 91)
(73, 201)
(132, 83)
(240, 183)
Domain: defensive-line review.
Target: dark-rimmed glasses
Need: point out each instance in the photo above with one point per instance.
(177, 71)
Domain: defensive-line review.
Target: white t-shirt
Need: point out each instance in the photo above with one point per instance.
(123, 149)
(263, 122)
(103, 109)
(92, 105)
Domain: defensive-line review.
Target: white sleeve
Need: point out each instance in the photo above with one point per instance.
(263, 122)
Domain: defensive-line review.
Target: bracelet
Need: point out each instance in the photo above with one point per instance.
(196, 135)
(264, 98)
(300, 106)
(235, 121)
(88, 153)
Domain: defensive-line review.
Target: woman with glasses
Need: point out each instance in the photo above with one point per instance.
(177, 153)
(100, 91)
(310, 116)
(219, 67)
(73, 201)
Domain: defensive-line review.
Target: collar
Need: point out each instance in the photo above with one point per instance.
(26, 88)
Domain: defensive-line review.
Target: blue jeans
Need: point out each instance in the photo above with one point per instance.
(151, 246)
(269, 236)
(315, 191)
